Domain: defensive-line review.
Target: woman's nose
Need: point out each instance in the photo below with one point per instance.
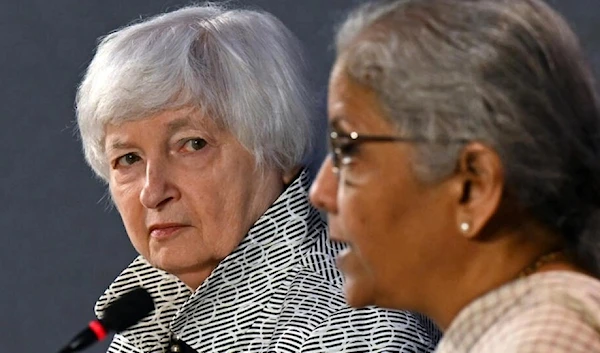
(158, 189)
(323, 192)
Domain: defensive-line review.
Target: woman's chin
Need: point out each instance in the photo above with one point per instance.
(358, 291)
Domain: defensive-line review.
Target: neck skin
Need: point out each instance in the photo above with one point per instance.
(194, 279)
(486, 263)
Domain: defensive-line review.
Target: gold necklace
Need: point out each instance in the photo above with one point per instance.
(541, 261)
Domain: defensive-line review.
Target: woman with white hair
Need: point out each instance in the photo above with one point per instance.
(199, 120)
(465, 172)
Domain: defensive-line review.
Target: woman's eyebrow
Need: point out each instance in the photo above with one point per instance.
(118, 144)
(180, 124)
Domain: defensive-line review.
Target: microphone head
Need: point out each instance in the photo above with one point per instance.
(127, 310)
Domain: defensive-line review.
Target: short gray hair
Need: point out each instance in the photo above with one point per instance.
(242, 68)
(508, 73)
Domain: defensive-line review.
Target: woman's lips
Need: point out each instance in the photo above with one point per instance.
(162, 232)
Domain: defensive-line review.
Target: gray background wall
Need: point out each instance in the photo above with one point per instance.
(61, 243)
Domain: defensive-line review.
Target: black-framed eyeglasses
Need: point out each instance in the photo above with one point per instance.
(342, 145)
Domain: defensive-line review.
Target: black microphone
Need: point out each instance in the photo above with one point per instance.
(124, 312)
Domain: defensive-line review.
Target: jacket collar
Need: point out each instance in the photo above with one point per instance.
(248, 276)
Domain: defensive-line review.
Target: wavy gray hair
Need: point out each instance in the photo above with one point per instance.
(242, 68)
(508, 73)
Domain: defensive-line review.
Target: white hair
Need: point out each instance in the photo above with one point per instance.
(242, 68)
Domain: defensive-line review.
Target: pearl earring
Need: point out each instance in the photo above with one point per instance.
(464, 227)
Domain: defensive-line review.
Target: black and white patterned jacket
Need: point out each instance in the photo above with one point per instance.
(279, 291)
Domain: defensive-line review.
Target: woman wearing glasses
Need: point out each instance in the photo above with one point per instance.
(465, 172)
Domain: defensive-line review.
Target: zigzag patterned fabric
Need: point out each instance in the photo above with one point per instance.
(279, 291)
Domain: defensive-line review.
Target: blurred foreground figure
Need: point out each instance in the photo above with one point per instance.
(465, 172)
(200, 121)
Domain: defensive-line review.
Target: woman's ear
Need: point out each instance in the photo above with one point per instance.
(481, 177)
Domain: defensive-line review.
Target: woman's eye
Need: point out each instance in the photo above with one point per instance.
(348, 148)
(127, 160)
(194, 144)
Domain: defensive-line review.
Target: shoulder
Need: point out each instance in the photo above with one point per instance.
(544, 328)
(372, 329)
(562, 314)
